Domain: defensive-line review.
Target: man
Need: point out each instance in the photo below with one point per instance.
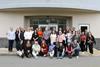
(11, 38)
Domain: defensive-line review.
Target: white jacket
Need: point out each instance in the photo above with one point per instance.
(11, 35)
(28, 35)
(36, 47)
(53, 38)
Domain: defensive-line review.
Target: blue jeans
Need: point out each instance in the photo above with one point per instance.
(10, 48)
(77, 52)
(60, 54)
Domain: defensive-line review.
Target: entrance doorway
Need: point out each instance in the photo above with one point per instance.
(50, 26)
(48, 21)
(84, 28)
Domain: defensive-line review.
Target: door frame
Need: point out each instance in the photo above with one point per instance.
(49, 25)
(87, 25)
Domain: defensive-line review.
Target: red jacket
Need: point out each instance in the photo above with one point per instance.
(44, 48)
(69, 49)
(83, 37)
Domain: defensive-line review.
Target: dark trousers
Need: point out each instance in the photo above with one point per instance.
(77, 52)
(83, 46)
(90, 48)
(10, 47)
(48, 41)
(40, 40)
(18, 45)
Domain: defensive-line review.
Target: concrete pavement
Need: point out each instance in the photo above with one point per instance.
(9, 59)
(14, 61)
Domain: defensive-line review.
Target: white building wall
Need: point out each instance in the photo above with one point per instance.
(8, 20)
(92, 19)
(15, 20)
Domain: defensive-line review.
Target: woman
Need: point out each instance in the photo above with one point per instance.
(60, 39)
(76, 48)
(44, 48)
(51, 50)
(46, 36)
(36, 49)
(27, 42)
(60, 51)
(90, 42)
(53, 37)
(17, 39)
(22, 36)
(11, 38)
(69, 36)
(40, 36)
(35, 36)
(20, 52)
(75, 36)
(69, 50)
(83, 38)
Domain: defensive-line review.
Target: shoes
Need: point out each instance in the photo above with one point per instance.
(22, 56)
(77, 57)
(45, 55)
(35, 57)
(83, 53)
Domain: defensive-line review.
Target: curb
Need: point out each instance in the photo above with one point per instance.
(5, 52)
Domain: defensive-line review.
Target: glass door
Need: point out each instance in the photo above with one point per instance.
(50, 26)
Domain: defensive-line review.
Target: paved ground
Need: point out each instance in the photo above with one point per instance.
(14, 61)
(86, 60)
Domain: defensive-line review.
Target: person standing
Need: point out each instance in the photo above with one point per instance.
(76, 36)
(53, 37)
(40, 36)
(60, 46)
(46, 36)
(53, 40)
(11, 38)
(69, 36)
(27, 42)
(17, 39)
(20, 43)
(83, 38)
(22, 37)
(90, 42)
(35, 36)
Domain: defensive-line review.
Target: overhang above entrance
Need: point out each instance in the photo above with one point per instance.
(49, 9)
(76, 4)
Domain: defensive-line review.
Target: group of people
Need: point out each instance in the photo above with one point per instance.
(64, 42)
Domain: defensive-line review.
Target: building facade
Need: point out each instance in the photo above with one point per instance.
(81, 14)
